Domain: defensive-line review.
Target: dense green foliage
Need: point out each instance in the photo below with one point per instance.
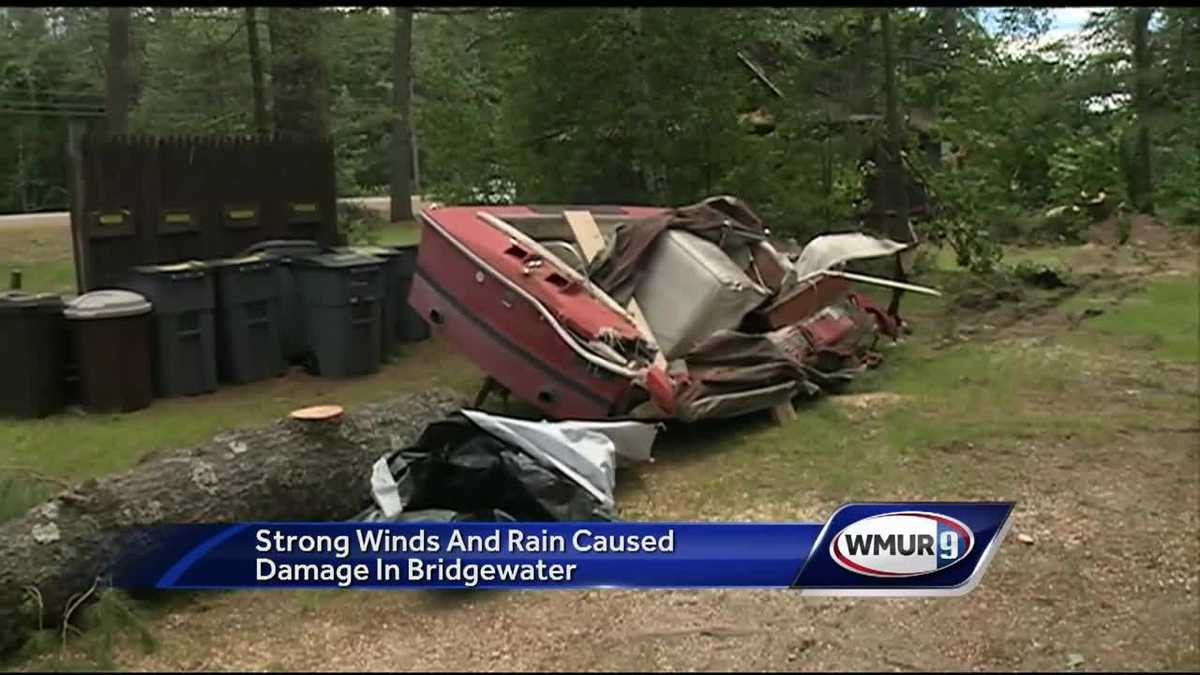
(656, 105)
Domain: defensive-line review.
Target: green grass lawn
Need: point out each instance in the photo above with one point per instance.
(54, 276)
(42, 254)
(72, 446)
(400, 234)
(1163, 318)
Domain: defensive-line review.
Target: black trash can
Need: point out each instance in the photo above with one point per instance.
(391, 277)
(410, 325)
(293, 337)
(249, 331)
(185, 345)
(112, 335)
(32, 350)
(341, 295)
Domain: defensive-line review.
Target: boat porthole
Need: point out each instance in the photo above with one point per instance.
(479, 277)
(435, 316)
(545, 395)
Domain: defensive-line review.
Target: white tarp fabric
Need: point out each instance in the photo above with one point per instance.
(584, 451)
(826, 251)
(385, 490)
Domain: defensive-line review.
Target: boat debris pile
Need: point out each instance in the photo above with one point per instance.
(686, 313)
(475, 466)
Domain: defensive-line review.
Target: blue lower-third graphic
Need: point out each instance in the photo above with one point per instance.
(879, 549)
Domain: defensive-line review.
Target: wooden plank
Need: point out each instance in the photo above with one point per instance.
(591, 242)
(587, 233)
(878, 281)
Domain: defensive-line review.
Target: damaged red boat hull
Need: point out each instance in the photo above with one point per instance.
(503, 333)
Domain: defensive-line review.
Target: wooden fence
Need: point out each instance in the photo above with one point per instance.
(142, 200)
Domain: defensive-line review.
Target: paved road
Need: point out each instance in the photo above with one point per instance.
(63, 218)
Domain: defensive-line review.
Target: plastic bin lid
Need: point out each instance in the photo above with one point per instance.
(377, 251)
(11, 301)
(283, 248)
(340, 260)
(107, 304)
(171, 268)
(240, 260)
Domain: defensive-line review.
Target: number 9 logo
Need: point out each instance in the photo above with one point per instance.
(948, 545)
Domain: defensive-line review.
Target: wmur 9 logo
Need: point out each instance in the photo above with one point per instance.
(902, 544)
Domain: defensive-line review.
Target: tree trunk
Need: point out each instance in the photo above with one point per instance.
(299, 73)
(261, 124)
(894, 187)
(859, 90)
(401, 189)
(292, 470)
(1142, 188)
(120, 71)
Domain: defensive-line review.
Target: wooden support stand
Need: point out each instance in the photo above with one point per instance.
(489, 387)
(783, 413)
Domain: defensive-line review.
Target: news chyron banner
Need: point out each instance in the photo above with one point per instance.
(865, 549)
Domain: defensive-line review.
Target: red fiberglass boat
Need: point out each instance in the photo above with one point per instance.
(528, 318)
(608, 311)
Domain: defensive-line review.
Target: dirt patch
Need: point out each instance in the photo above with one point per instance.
(1144, 232)
(867, 405)
(1111, 576)
(1010, 308)
(1152, 248)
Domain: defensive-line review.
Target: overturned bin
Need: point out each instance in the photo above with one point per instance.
(341, 296)
(185, 357)
(111, 333)
(249, 340)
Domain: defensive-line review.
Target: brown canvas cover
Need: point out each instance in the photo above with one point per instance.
(723, 220)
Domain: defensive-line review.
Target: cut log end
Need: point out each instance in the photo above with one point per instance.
(317, 413)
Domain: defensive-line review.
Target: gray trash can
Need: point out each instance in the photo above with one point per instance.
(185, 350)
(341, 295)
(391, 277)
(293, 336)
(410, 325)
(112, 334)
(249, 331)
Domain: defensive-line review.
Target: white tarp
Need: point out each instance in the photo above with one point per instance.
(385, 490)
(826, 251)
(584, 451)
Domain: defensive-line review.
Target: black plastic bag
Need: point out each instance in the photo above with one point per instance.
(457, 471)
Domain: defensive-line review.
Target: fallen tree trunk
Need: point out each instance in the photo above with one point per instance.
(292, 470)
